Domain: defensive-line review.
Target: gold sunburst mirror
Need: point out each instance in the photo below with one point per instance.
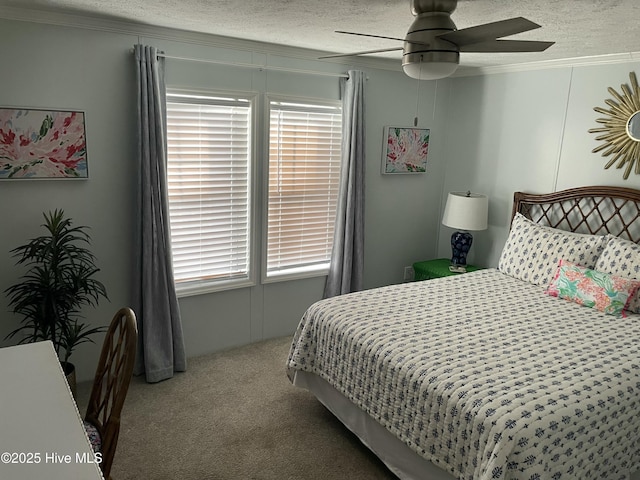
(621, 128)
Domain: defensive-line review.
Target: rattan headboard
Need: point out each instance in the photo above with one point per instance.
(595, 210)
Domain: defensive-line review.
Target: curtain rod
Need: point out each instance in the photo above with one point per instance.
(259, 67)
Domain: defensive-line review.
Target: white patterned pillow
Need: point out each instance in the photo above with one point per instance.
(532, 251)
(622, 257)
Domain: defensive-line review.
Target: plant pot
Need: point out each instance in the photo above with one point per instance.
(69, 370)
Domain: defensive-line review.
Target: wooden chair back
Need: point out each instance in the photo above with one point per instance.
(111, 382)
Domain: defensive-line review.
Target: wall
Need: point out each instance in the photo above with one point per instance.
(66, 66)
(493, 134)
(526, 131)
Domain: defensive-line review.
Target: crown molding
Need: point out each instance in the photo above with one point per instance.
(614, 58)
(104, 24)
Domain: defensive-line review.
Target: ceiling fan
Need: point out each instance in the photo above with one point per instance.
(432, 46)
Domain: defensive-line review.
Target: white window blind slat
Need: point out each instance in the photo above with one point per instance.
(208, 148)
(304, 174)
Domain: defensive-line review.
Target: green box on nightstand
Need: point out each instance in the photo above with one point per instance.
(436, 269)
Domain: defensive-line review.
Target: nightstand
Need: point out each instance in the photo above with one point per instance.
(436, 269)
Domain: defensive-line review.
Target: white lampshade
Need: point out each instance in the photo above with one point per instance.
(430, 70)
(466, 211)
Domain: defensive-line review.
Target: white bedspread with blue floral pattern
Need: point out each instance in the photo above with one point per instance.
(484, 375)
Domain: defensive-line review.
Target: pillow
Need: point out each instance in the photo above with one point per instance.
(608, 293)
(532, 251)
(622, 257)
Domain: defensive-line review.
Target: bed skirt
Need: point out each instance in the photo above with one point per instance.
(400, 459)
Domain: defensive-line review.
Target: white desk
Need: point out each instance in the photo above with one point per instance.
(39, 420)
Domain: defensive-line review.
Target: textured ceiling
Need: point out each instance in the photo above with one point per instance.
(580, 28)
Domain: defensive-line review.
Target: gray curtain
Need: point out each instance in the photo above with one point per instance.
(160, 342)
(347, 256)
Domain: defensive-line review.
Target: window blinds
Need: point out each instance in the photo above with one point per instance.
(304, 174)
(209, 148)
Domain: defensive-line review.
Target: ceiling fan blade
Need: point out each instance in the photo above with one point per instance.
(489, 31)
(369, 35)
(380, 50)
(381, 36)
(507, 46)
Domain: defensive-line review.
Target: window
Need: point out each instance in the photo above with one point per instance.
(304, 174)
(209, 152)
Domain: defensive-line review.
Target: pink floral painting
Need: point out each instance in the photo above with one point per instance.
(405, 150)
(42, 144)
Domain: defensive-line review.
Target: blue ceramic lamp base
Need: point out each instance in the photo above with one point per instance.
(460, 245)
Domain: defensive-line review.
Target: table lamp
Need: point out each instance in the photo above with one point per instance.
(464, 211)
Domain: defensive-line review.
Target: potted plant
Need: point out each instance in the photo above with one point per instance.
(59, 281)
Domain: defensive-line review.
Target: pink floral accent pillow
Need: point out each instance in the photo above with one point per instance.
(605, 292)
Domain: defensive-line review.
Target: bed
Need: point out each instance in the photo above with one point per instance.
(530, 370)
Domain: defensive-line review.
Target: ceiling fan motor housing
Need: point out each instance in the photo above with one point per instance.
(422, 44)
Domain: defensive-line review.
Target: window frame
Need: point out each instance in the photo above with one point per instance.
(294, 273)
(199, 287)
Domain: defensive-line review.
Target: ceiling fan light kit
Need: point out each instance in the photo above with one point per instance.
(432, 46)
(434, 71)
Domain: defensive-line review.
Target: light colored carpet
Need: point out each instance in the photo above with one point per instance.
(234, 415)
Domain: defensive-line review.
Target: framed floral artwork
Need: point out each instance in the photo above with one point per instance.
(41, 144)
(405, 150)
